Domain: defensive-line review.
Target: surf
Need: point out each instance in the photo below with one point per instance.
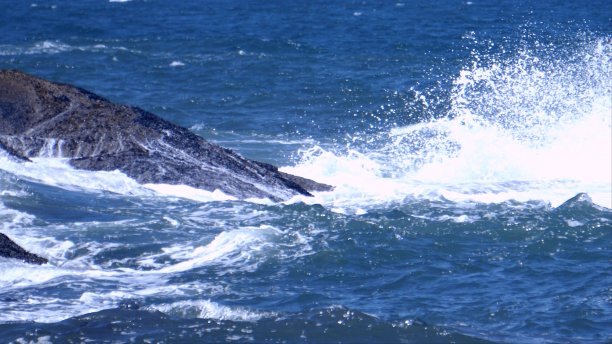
(534, 125)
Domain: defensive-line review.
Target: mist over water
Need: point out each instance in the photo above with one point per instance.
(469, 145)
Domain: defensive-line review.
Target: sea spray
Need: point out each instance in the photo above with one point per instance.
(397, 252)
(535, 125)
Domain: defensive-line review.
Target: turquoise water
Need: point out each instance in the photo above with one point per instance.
(469, 143)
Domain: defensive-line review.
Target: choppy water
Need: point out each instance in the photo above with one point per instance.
(469, 143)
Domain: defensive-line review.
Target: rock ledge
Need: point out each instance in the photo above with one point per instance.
(42, 118)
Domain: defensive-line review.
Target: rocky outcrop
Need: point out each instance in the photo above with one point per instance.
(9, 249)
(42, 118)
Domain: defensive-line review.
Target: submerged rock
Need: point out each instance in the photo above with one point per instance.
(9, 249)
(42, 118)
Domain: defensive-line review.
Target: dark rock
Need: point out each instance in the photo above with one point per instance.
(9, 249)
(580, 200)
(41, 118)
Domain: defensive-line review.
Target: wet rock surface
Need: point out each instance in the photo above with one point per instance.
(9, 249)
(42, 118)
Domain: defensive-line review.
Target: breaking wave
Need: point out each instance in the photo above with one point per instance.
(535, 126)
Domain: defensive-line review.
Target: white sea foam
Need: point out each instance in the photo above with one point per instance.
(241, 249)
(206, 309)
(43, 47)
(57, 172)
(54, 47)
(44, 310)
(526, 128)
(18, 226)
(127, 284)
(10, 218)
(53, 309)
(235, 249)
(185, 191)
(16, 274)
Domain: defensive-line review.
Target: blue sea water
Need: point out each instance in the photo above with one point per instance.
(470, 144)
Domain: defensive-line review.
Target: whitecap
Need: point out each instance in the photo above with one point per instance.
(236, 249)
(57, 172)
(523, 129)
(185, 191)
(55, 47)
(206, 309)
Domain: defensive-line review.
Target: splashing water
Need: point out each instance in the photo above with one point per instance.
(536, 126)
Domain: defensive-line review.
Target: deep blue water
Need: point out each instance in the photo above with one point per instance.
(457, 134)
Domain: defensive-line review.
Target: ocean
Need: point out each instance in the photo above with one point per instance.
(469, 144)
